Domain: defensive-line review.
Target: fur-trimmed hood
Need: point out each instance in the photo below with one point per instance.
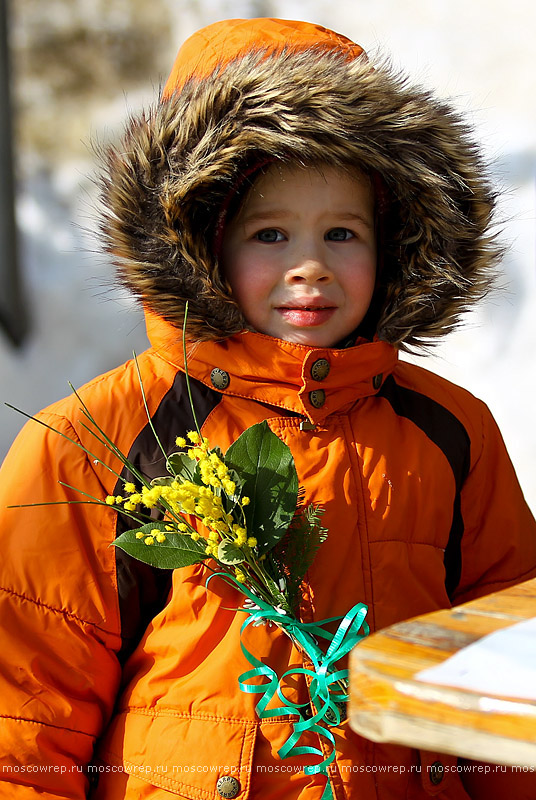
(246, 90)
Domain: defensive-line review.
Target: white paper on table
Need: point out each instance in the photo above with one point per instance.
(502, 663)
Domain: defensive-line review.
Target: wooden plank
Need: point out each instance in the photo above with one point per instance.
(387, 703)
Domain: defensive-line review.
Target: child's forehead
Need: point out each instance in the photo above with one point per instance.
(292, 173)
(276, 183)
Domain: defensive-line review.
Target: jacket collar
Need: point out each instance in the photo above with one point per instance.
(309, 381)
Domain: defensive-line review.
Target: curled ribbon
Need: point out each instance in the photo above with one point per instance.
(328, 686)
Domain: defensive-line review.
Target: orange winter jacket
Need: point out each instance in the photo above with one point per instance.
(120, 681)
(422, 506)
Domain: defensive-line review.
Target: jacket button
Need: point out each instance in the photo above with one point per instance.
(227, 786)
(320, 369)
(436, 772)
(317, 398)
(331, 717)
(220, 379)
(377, 381)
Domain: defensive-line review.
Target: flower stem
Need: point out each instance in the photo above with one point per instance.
(188, 387)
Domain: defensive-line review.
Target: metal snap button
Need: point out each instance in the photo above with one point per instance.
(330, 715)
(220, 379)
(436, 772)
(377, 381)
(320, 369)
(317, 398)
(227, 786)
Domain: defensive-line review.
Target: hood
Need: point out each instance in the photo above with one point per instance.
(245, 91)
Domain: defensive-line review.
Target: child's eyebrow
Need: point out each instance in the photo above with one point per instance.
(368, 221)
(258, 216)
(276, 214)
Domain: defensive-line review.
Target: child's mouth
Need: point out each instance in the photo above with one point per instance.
(306, 316)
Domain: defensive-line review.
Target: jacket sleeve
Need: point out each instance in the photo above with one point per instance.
(59, 629)
(498, 544)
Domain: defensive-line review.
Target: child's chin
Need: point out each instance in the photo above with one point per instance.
(309, 339)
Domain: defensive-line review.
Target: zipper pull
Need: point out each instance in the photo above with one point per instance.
(306, 425)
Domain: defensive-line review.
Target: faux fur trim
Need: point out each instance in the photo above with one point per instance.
(166, 181)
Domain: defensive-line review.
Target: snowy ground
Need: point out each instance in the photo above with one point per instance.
(81, 326)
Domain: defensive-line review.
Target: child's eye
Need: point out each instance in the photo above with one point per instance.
(269, 235)
(339, 235)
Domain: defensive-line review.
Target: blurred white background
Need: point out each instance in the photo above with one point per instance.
(79, 69)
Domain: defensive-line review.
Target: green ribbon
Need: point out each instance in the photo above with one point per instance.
(325, 688)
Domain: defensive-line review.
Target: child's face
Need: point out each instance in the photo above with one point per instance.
(300, 255)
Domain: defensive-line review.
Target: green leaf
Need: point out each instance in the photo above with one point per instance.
(268, 477)
(184, 468)
(229, 553)
(166, 481)
(278, 594)
(179, 550)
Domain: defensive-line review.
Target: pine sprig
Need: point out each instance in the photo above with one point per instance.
(296, 551)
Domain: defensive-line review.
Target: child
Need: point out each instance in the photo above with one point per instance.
(319, 215)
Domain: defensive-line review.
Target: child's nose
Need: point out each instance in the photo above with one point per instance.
(309, 268)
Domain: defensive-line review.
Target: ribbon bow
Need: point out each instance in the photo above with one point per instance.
(328, 685)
